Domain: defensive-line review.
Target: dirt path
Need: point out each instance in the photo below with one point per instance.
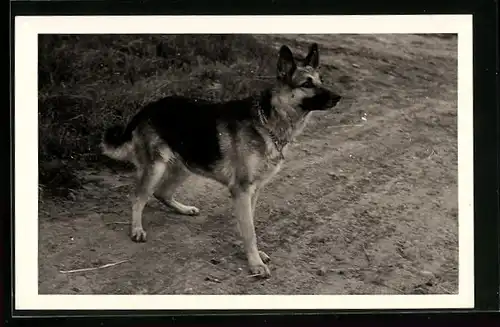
(364, 209)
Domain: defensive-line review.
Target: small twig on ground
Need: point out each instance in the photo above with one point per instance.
(118, 223)
(447, 291)
(213, 279)
(94, 268)
(76, 117)
(254, 275)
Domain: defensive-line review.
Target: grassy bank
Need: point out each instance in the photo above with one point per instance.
(88, 82)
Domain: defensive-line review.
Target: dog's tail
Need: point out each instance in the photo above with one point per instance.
(116, 142)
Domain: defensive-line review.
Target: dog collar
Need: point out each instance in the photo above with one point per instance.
(277, 143)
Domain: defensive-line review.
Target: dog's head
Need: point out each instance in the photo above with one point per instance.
(303, 78)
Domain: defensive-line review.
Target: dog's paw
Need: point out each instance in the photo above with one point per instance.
(261, 271)
(190, 211)
(138, 235)
(264, 257)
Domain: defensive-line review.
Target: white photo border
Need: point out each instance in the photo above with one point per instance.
(27, 29)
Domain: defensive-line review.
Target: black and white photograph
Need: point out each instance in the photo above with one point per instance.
(205, 156)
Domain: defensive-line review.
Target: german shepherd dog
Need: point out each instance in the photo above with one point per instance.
(239, 143)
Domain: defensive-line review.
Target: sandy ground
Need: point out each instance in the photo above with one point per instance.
(366, 203)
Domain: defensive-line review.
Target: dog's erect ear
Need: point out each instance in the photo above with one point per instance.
(286, 64)
(312, 58)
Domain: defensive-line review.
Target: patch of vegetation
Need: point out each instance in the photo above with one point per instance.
(89, 82)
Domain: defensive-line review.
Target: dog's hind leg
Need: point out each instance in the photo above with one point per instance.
(151, 176)
(174, 176)
(242, 200)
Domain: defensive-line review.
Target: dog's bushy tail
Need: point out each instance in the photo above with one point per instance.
(116, 142)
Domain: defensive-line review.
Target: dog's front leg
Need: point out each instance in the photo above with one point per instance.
(244, 214)
(254, 198)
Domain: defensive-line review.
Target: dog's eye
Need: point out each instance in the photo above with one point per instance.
(308, 84)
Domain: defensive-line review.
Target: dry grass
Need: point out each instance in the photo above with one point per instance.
(88, 82)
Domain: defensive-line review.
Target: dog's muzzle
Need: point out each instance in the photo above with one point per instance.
(323, 100)
(331, 98)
